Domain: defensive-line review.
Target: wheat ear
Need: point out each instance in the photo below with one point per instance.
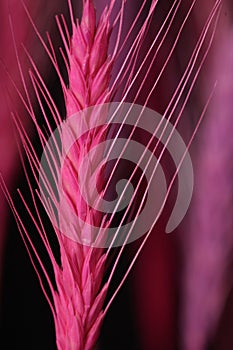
(79, 299)
(210, 240)
(79, 294)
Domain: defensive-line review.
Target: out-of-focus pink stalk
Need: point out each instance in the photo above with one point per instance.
(9, 99)
(8, 149)
(209, 242)
(15, 30)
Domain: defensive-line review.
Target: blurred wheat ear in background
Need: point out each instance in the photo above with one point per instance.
(209, 243)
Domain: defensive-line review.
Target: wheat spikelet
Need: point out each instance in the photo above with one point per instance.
(90, 67)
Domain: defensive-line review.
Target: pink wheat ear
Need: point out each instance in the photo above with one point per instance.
(209, 243)
(78, 298)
